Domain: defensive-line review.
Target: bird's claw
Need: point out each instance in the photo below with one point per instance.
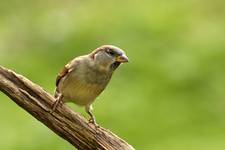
(55, 104)
(93, 122)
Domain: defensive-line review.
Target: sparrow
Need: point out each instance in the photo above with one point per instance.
(84, 78)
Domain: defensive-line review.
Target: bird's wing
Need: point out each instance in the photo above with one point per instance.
(66, 69)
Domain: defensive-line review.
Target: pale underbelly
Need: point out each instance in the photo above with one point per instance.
(80, 93)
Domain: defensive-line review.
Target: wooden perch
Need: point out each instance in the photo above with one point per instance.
(64, 122)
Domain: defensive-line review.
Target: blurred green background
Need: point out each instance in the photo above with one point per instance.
(169, 97)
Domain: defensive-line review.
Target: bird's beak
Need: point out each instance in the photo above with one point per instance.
(122, 58)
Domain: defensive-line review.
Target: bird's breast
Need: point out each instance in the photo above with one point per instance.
(83, 87)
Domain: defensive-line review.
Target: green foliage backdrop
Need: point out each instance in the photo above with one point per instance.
(169, 97)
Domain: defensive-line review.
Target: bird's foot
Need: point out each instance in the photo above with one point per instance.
(55, 105)
(92, 121)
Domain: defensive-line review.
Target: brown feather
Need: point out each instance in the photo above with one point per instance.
(66, 69)
(61, 74)
(92, 54)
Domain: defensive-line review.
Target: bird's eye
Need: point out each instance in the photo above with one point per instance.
(111, 53)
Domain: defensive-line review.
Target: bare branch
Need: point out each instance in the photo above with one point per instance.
(64, 122)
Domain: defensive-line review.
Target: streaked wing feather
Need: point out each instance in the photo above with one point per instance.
(61, 74)
(66, 69)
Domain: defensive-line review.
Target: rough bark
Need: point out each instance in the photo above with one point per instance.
(64, 122)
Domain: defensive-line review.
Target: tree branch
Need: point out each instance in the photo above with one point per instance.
(64, 122)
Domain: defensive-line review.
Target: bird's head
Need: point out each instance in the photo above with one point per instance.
(109, 57)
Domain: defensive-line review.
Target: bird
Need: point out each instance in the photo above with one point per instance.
(85, 77)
